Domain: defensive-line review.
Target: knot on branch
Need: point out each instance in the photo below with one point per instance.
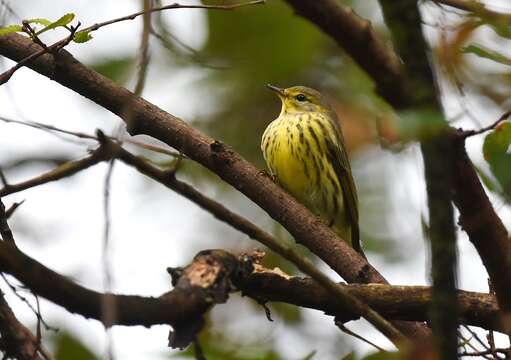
(207, 280)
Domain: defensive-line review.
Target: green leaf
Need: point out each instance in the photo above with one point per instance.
(63, 21)
(41, 21)
(496, 152)
(420, 123)
(486, 53)
(10, 29)
(69, 347)
(499, 24)
(82, 36)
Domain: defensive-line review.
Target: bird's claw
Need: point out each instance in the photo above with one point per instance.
(263, 172)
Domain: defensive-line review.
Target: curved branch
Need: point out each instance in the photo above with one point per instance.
(403, 18)
(177, 307)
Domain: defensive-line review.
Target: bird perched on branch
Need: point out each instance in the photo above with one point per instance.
(305, 152)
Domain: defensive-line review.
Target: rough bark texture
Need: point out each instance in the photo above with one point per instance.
(209, 279)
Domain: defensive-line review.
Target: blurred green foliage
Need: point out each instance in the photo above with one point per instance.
(483, 52)
(419, 124)
(68, 347)
(496, 150)
(117, 69)
(259, 45)
(218, 347)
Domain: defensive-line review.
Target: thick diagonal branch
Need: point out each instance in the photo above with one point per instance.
(143, 117)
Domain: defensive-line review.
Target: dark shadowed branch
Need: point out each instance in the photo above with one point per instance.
(470, 197)
(177, 306)
(404, 20)
(16, 341)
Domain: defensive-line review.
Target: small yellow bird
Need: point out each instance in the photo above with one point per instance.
(305, 152)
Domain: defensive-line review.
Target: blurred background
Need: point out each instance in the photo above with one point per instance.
(209, 68)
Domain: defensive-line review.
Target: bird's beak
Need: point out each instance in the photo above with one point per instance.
(278, 90)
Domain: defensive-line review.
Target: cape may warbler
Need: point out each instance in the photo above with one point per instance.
(304, 150)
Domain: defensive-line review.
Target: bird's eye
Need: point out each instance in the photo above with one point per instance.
(301, 97)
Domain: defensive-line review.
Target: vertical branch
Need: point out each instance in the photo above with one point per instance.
(16, 340)
(108, 306)
(404, 20)
(5, 230)
(143, 55)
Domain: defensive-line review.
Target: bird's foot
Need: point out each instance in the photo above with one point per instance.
(265, 173)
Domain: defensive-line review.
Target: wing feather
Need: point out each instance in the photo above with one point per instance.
(335, 145)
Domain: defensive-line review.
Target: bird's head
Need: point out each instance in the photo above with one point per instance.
(300, 99)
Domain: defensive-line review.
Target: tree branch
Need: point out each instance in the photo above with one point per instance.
(483, 226)
(16, 341)
(62, 171)
(410, 303)
(178, 306)
(143, 117)
(404, 20)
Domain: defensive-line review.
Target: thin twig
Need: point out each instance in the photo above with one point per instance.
(492, 126)
(17, 340)
(81, 135)
(3, 179)
(170, 7)
(65, 170)
(29, 305)
(10, 211)
(344, 329)
(487, 354)
(491, 343)
(143, 54)
(6, 6)
(470, 345)
(5, 76)
(108, 303)
(5, 230)
(475, 7)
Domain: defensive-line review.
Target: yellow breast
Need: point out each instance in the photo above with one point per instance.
(290, 158)
(296, 153)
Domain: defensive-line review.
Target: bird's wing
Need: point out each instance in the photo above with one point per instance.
(342, 168)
